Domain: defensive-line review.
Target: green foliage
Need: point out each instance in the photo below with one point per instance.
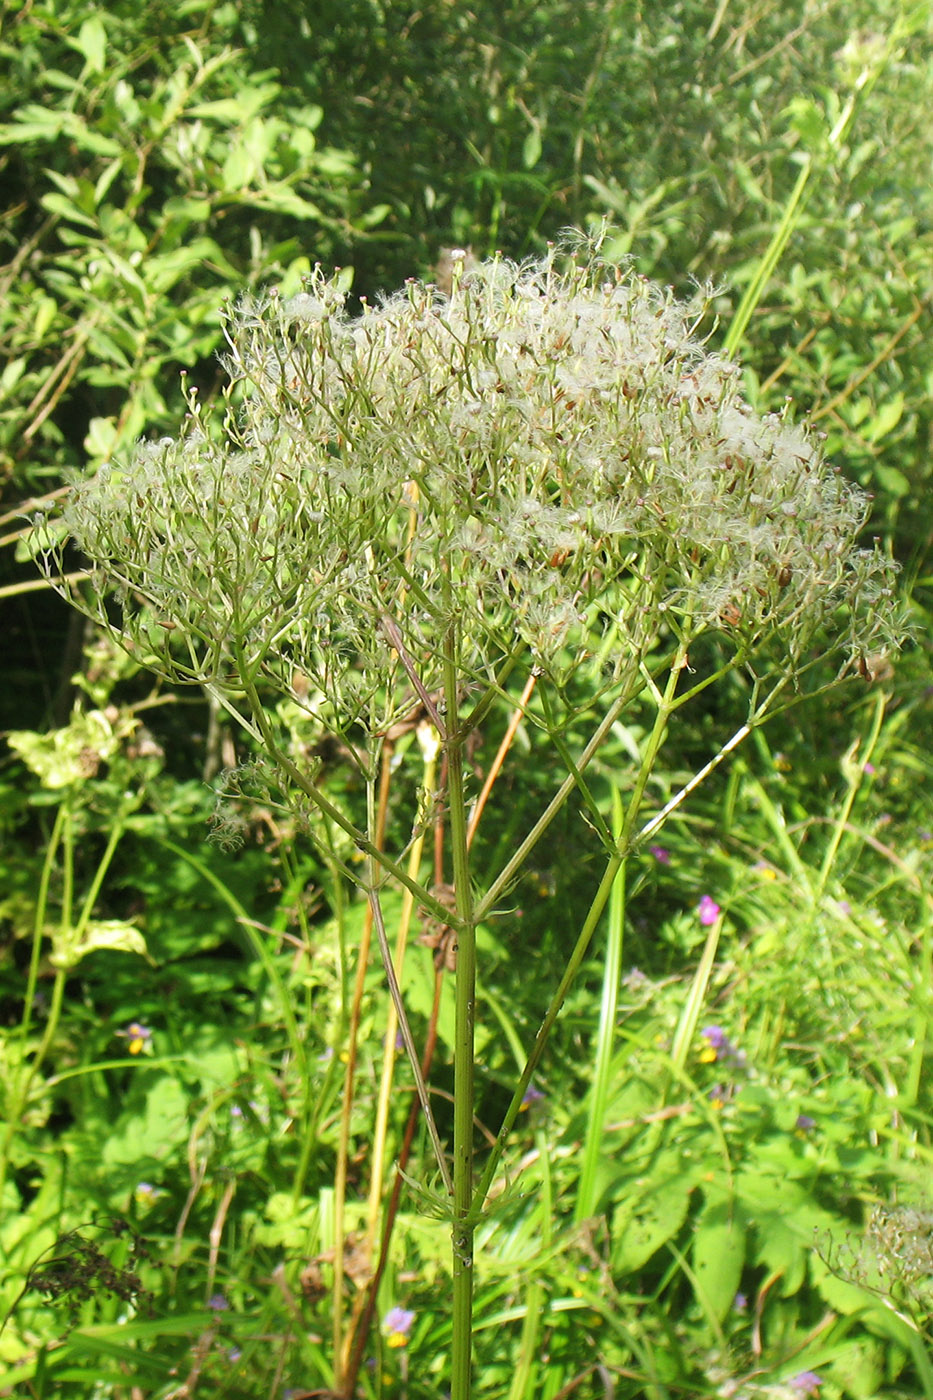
(145, 178)
(716, 1215)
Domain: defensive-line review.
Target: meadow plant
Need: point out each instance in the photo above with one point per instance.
(544, 480)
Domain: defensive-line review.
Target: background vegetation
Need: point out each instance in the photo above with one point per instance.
(759, 1223)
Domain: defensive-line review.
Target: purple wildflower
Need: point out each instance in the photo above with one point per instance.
(719, 1047)
(138, 1035)
(709, 910)
(717, 1038)
(805, 1383)
(397, 1323)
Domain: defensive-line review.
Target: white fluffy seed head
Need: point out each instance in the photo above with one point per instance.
(548, 447)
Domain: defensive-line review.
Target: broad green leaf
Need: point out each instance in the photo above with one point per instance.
(12, 372)
(640, 1232)
(115, 935)
(46, 308)
(374, 216)
(70, 755)
(162, 270)
(36, 123)
(718, 1256)
(152, 1130)
(101, 438)
(106, 178)
(283, 199)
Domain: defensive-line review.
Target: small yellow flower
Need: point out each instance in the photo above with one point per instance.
(138, 1037)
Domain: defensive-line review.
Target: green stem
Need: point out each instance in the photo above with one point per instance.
(666, 704)
(404, 1025)
(856, 775)
(599, 1093)
(304, 784)
(514, 865)
(581, 946)
(69, 938)
(464, 1223)
(795, 205)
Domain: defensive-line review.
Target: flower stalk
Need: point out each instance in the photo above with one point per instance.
(544, 479)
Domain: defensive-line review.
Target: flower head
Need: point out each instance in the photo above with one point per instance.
(532, 1095)
(138, 1036)
(719, 1047)
(709, 910)
(397, 1324)
(550, 446)
(805, 1383)
(145, 1193)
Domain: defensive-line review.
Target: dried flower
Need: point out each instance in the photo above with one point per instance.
(549, 448)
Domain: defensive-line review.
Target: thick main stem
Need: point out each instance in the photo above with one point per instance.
(465, 999)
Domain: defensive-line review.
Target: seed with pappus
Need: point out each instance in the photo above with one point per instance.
(548, 452)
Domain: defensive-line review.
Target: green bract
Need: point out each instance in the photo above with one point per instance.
(549, 453)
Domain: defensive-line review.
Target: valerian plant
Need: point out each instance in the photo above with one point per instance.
(546, 477)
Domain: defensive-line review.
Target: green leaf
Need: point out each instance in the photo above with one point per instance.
(809, 121)
(65, 756)
(237, 111)
(46, 308)
(886, 419)
(58, 204)
(12, 373)
(115, 935)
(238, 170)
(531, 148)
(151, 1131)
(640, 1232)
(374, 216)
(718, 1256)
(748, 182)
(101, 438)
(91, 42)
(892, 481)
